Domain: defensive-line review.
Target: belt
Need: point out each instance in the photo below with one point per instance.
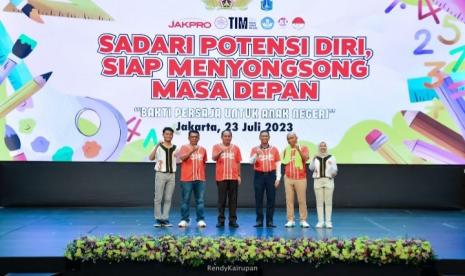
(265, 173)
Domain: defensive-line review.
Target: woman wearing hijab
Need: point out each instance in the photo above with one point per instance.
(324, 170)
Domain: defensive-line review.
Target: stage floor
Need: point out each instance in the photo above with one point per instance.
(45, 232)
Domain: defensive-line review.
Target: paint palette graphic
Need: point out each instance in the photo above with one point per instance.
(81, 129)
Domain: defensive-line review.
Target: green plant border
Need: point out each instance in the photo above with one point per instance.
(197, 251)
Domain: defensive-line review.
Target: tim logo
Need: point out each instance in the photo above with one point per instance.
(241, 23)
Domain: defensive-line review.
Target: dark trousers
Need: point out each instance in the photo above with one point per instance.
(227, 189)
(265, 182)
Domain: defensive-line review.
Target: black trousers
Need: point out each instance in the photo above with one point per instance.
(265, 182)
(227, 190)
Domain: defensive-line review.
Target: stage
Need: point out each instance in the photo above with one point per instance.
(38, 236)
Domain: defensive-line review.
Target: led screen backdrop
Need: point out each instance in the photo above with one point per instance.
(379, 81)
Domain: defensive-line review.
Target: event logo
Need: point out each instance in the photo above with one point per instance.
(242, 23)
(298, 23)
(267, 23)
(266, 5)
(190, 23)
(226, 4)
(221, 22)
(282, 22)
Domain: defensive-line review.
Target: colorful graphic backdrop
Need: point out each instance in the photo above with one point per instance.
(378, 81)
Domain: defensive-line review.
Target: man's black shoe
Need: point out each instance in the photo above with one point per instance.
(233, 225)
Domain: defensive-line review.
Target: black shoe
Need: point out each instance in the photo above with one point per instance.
(158, 223)
(270, 225)
(259, 224)
(233, 225)
(166, 223)
(220, 224)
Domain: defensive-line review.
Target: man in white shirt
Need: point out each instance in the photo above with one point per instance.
(164, 154)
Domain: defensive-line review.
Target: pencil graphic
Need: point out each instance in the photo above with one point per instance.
(24, 93)
(433, 153)
(379, 143)
(21, 49)
(28, 9)
(455, 106)
(13, 144)
(453, 7)
(85, 9)
(435, 131)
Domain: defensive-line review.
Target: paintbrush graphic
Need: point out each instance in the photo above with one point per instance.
(13, 144)
(21, 49)
(28, 9)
